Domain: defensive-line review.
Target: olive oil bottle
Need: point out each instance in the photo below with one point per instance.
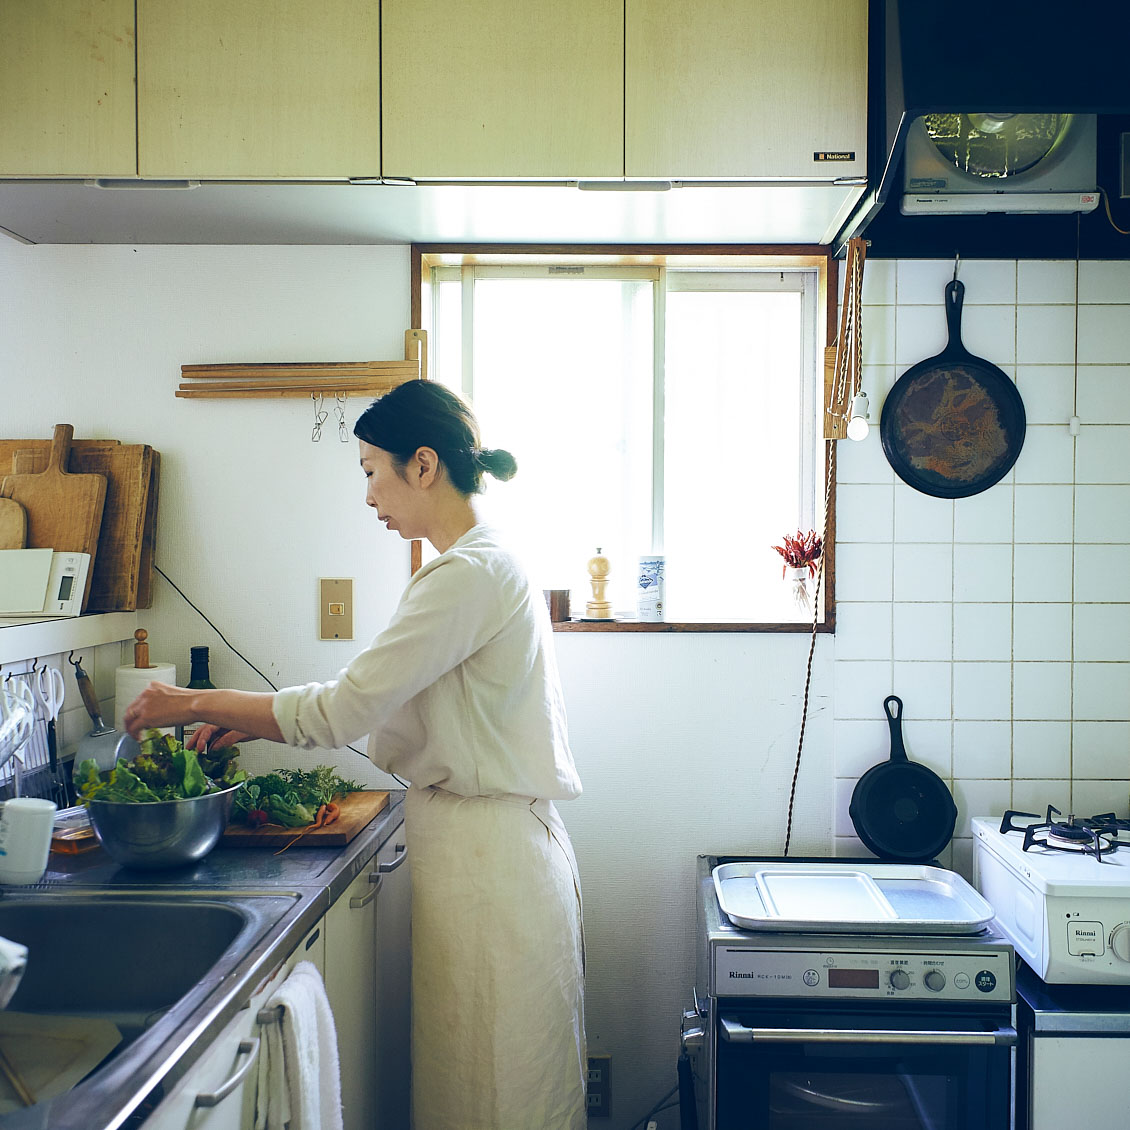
(198, 679)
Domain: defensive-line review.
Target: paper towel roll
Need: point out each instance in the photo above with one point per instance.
(130, 681)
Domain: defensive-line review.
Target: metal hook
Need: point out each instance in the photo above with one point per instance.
(956, 264)
(319, 416)
(342, 432)
(72, 661)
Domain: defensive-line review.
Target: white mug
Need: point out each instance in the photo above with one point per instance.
(26, 824)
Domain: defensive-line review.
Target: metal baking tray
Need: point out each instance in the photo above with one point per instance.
(849, 898)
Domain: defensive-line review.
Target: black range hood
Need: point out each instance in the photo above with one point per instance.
(966, 57)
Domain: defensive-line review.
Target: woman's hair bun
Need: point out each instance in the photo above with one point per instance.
(501, 464)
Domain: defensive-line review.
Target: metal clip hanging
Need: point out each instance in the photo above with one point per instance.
(319, 416)
(342, 430)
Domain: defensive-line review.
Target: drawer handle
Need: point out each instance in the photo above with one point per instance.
(248, 1048)
(401, 856)
(361, 902)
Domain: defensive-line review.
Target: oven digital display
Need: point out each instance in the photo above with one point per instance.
(853, 978)
(66, 584)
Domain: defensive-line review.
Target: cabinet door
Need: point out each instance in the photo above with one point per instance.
(289, 89)
(394, 988)
(226, 1069)
(351, 941)
(67, 88)
(745, 88)
(502, 89)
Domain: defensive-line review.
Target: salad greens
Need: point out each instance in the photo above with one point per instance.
(290, 797)
(162, 770)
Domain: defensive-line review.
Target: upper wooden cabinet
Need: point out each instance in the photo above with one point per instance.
(67, 88)
(257, 89)
(720, 89)
(502, 89)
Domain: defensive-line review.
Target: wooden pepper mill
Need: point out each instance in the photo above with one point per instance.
(598, 608)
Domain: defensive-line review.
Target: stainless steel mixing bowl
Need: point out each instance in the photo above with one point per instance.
(167, 833)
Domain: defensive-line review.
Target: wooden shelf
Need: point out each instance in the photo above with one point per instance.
(307, 378)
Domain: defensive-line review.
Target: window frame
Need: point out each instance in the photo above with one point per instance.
(681, 258)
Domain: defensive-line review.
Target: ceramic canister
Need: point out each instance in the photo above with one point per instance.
(649, 588)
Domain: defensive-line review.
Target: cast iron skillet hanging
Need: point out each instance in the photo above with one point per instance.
(953, 424)
(902, 810)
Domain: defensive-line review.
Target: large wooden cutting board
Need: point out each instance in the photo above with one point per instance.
(64, 511)
(123, 568)
(357, 810)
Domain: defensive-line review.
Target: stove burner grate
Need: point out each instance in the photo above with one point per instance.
(1097, 836)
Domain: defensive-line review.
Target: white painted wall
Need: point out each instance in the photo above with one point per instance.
(1001, 619)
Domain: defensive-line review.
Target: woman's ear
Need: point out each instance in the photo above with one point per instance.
(425, 466)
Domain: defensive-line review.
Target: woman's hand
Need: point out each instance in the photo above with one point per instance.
(159, 705)
(215, 737)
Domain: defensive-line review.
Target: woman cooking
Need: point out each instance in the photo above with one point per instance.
(460, 695)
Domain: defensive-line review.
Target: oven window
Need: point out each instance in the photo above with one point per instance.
(848, 1084)
(813, 1100)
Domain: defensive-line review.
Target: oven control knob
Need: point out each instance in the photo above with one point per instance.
(900, 979)
(935, 980)
(1120, 941)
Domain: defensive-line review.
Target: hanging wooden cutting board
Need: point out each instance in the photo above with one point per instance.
(64, 511)
(130, 471)
(123, 567)
(13, 524)
(357, 811)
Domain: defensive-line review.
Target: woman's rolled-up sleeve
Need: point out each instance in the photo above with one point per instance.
(450, 609)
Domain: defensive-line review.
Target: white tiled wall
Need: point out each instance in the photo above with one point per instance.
(1001, 620)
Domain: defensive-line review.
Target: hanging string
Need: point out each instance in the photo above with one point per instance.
(851, 351)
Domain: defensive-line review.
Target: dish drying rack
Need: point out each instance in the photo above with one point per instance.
(25, 767)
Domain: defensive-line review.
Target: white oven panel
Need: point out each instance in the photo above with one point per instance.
(829, 974)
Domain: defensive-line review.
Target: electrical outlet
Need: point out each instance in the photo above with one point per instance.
(335, 608)
(599, 1091)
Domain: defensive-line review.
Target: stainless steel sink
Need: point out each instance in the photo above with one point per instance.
(123, 959)
(165, 969)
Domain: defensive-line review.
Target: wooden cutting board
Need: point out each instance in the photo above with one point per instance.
(357, 810)
(64, 511)
(13, 524)
(123, 567)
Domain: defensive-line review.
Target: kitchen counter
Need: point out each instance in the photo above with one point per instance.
(302, 883)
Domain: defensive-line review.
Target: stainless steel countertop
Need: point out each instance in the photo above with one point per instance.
(305, 882)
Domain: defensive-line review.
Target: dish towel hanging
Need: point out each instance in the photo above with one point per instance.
(299, 1073)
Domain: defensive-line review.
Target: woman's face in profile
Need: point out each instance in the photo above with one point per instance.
(389, 493)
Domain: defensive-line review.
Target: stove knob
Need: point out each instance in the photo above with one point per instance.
(935, 980)
(900, 979)
(1120, 941)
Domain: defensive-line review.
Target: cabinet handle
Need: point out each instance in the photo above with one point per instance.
(401, 856)
(249, 1048)
(364, 900)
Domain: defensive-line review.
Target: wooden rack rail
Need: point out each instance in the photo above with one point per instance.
(306, 378)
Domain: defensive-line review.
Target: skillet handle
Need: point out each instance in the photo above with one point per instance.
(955, 296)
(894, 721)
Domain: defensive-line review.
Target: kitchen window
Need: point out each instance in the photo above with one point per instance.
(667, 406)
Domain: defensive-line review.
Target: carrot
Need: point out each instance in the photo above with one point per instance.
(333, 811)
(320, 816)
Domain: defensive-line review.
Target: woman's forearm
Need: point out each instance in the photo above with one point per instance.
(249, 712)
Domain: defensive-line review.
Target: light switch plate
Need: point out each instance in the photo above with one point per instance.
(335, 608)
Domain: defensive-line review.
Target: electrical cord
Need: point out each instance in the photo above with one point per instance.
(662, 1104)
(235, 651)
(1106, 205)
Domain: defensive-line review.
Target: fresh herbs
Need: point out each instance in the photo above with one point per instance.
(293, 798)
(162, 770)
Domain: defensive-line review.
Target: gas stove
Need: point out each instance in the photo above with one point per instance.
(1060, 889)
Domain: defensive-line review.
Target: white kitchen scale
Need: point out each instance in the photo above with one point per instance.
(42, 583)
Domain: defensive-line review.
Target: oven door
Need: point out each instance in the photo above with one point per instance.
(859, 1069)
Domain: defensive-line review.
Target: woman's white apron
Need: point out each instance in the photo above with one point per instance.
(497, 965)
